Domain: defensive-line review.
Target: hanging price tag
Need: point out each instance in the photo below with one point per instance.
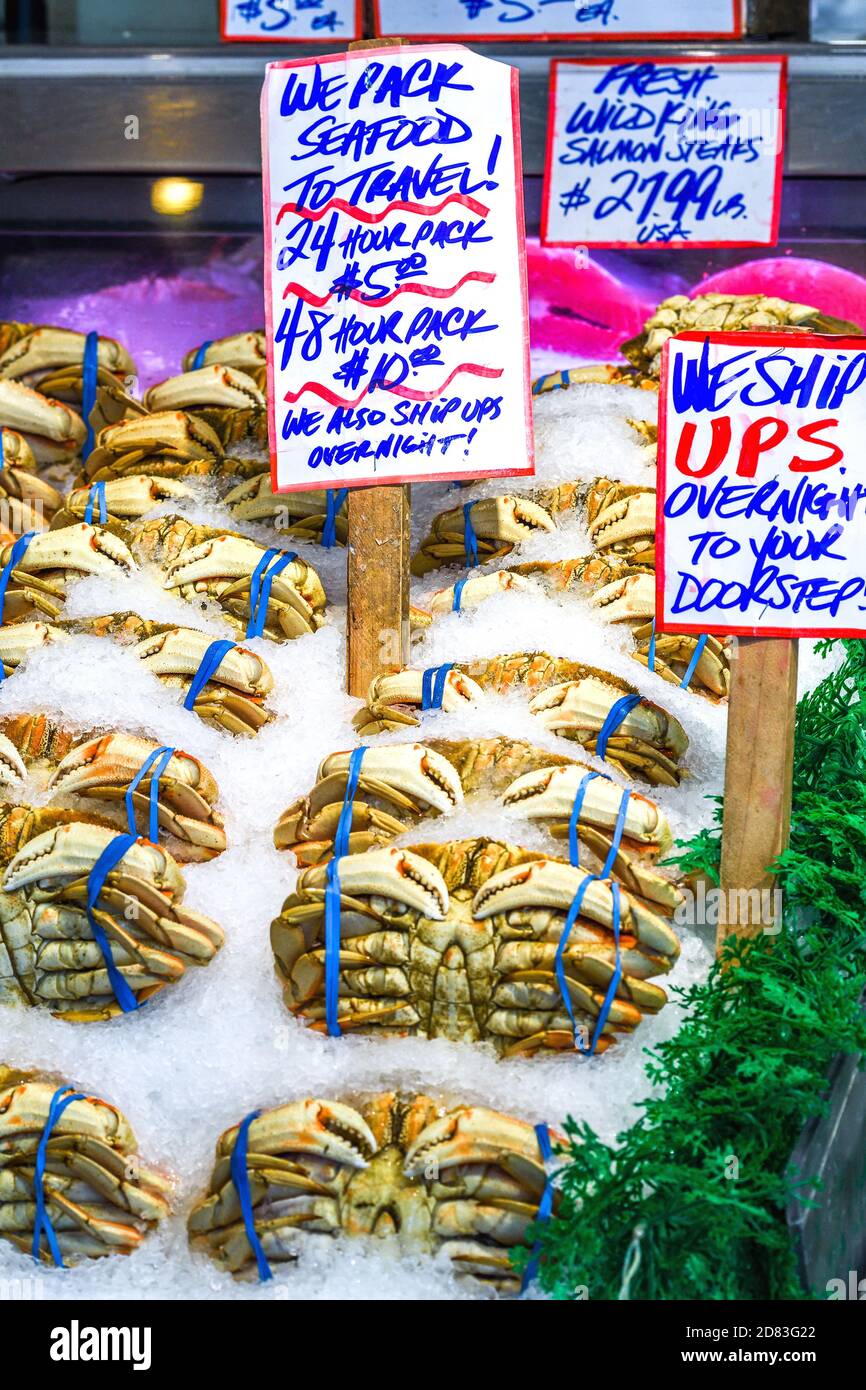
(761, 525)
(664, 152)
(398, 344)
(288, 21)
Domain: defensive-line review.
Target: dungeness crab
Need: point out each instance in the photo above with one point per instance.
(460, 1179)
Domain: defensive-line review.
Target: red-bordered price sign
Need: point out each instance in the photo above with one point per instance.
(485, 21)
(290, 21)
(670, 152)
(761, 522)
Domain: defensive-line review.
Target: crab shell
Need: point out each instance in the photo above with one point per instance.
(723, 312)
(49, 956)
(465, 1180)
(20, 639)
(101, 1199)
(458, 940)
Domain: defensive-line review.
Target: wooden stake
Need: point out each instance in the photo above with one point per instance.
(378, 564)
(758, 772)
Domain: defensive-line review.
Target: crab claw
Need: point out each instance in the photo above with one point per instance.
(328, 1129)
(507, 518)
(474, 1134)
(48, 347)
(583, 705)
(179, 652)
(167, 429)
(478, 588)
(82, 548)
(626, 600)
(550, 883)
(391, 873)
(27, 410)
(407, 767)
(132, 497)
(549, 794)
(625, 515)
(24, 1109)
(70, 852)
(12, 768)
(406, 688)
(18, 640)
(245, 351)
(117, 758)
(211, 385)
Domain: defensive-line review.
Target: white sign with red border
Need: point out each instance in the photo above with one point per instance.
(671, 152)
(761, 520)
(290, 21)
(488, 20)
(395, 294)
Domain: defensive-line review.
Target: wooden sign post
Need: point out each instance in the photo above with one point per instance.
(377, 612)
(761, 527)
(759, 762)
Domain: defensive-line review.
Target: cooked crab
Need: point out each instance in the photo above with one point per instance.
(570, 699)
(498, 523)
(37, 584)
(717, 313)
(464, 1180)
(18, 640)
(50, 955)
(99, 1196)
(597, 374)
(402, 784)
(459, 940)
(52, 361)
(201, 562)
(53, 432)
(299, 514)
(226, 399)
(231, 699)
(100, 767)
(170, 444)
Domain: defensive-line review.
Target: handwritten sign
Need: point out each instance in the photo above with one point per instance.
(761, 523)
(286, 21)
(668, 152)
(559, 19)
(398, 341)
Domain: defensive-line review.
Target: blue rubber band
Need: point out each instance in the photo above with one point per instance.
(616, 838)
(433, 685)
(617, 971)
(241, 1183)
(458, 595)
(332, 948)
(88, 387)
(272, 563)
(559, 959)
(545, 1206)
(537, 386)
(162, 756)
(651, 655)
(62, 1098)
(96, 494)
(618, 711)
(198, 361)
(470, 540)
(108, 860)
(344, 824)
(692, 666)
(334, 501)
(577, 806)
(18, 551)
(208, 666)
